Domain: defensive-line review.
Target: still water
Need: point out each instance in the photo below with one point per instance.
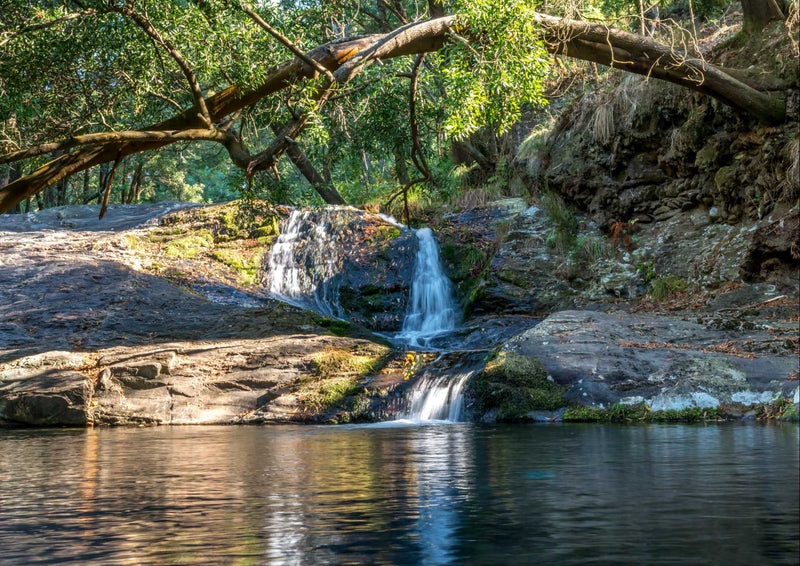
(561, 494)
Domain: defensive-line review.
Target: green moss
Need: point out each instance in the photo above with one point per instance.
(514, 385)
(244, 263)
(136, 244)
(361, 361)
(235, 220)
(725, 178)
(638, 413)
(707, 156)
(334, 383)
(462, 261)
(335, 326)
(466, 265)
(385, 233)
(189, 246)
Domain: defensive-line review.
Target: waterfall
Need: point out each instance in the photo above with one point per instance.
(431, 310)
(438, 398)
(439, 393)
(303, 263)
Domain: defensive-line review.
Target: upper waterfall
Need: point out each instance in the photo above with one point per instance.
(431, 310)
(303, 263)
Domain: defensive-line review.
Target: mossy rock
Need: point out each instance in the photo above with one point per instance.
(725, 177)
(707, 156)
(512, 386)
(620, 413)
(237, 220)
(245, 263)
(336, 382)
(189, 246)
(359, 361)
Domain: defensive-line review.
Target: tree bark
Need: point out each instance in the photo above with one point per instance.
(758, 13)
(326, 190)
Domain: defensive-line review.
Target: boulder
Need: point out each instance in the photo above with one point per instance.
(46, 389)
(602, 359)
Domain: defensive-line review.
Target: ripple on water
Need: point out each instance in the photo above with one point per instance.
(401, 493)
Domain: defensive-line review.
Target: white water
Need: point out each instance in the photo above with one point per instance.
(438, 398)
(431, 310)
(302, 263)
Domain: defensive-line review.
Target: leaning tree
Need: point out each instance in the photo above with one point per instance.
(91, 82)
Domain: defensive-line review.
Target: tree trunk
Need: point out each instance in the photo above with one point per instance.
(758, 13)
(400, 167)
(325, 189)
(85, 189)
(132, 197)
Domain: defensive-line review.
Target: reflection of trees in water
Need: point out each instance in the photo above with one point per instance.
(401, 495)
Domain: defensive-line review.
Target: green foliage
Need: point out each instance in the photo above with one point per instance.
(662, 287)
(489, 83)
(559, 214)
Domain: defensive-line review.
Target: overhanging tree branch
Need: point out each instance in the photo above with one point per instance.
(345, 59)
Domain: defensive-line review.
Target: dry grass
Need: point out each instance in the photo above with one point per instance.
(473, 198)
(603, 127)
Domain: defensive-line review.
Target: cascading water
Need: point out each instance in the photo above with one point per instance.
(431, 310)
(304, 266)
(438, 398)
(303, 263)
(431, 313)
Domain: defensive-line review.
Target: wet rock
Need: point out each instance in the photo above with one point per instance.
(86, 338)
(773, 253)
(361, 272)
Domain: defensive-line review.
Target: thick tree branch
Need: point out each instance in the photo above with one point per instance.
(345, 59)
(186, 69)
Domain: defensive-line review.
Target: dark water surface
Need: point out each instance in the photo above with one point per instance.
(571, 494)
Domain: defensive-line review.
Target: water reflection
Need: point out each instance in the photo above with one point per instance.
(401, 495)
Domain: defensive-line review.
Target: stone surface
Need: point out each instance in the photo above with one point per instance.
(372, 261)
(668, 363)
(85, 337)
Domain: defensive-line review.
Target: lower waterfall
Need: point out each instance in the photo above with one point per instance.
(438, 398)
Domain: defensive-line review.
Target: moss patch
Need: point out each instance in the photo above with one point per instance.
(336, 382)
(244, 262)
(335, 326)
(513, 385)
(639, 413)
(189, 246)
